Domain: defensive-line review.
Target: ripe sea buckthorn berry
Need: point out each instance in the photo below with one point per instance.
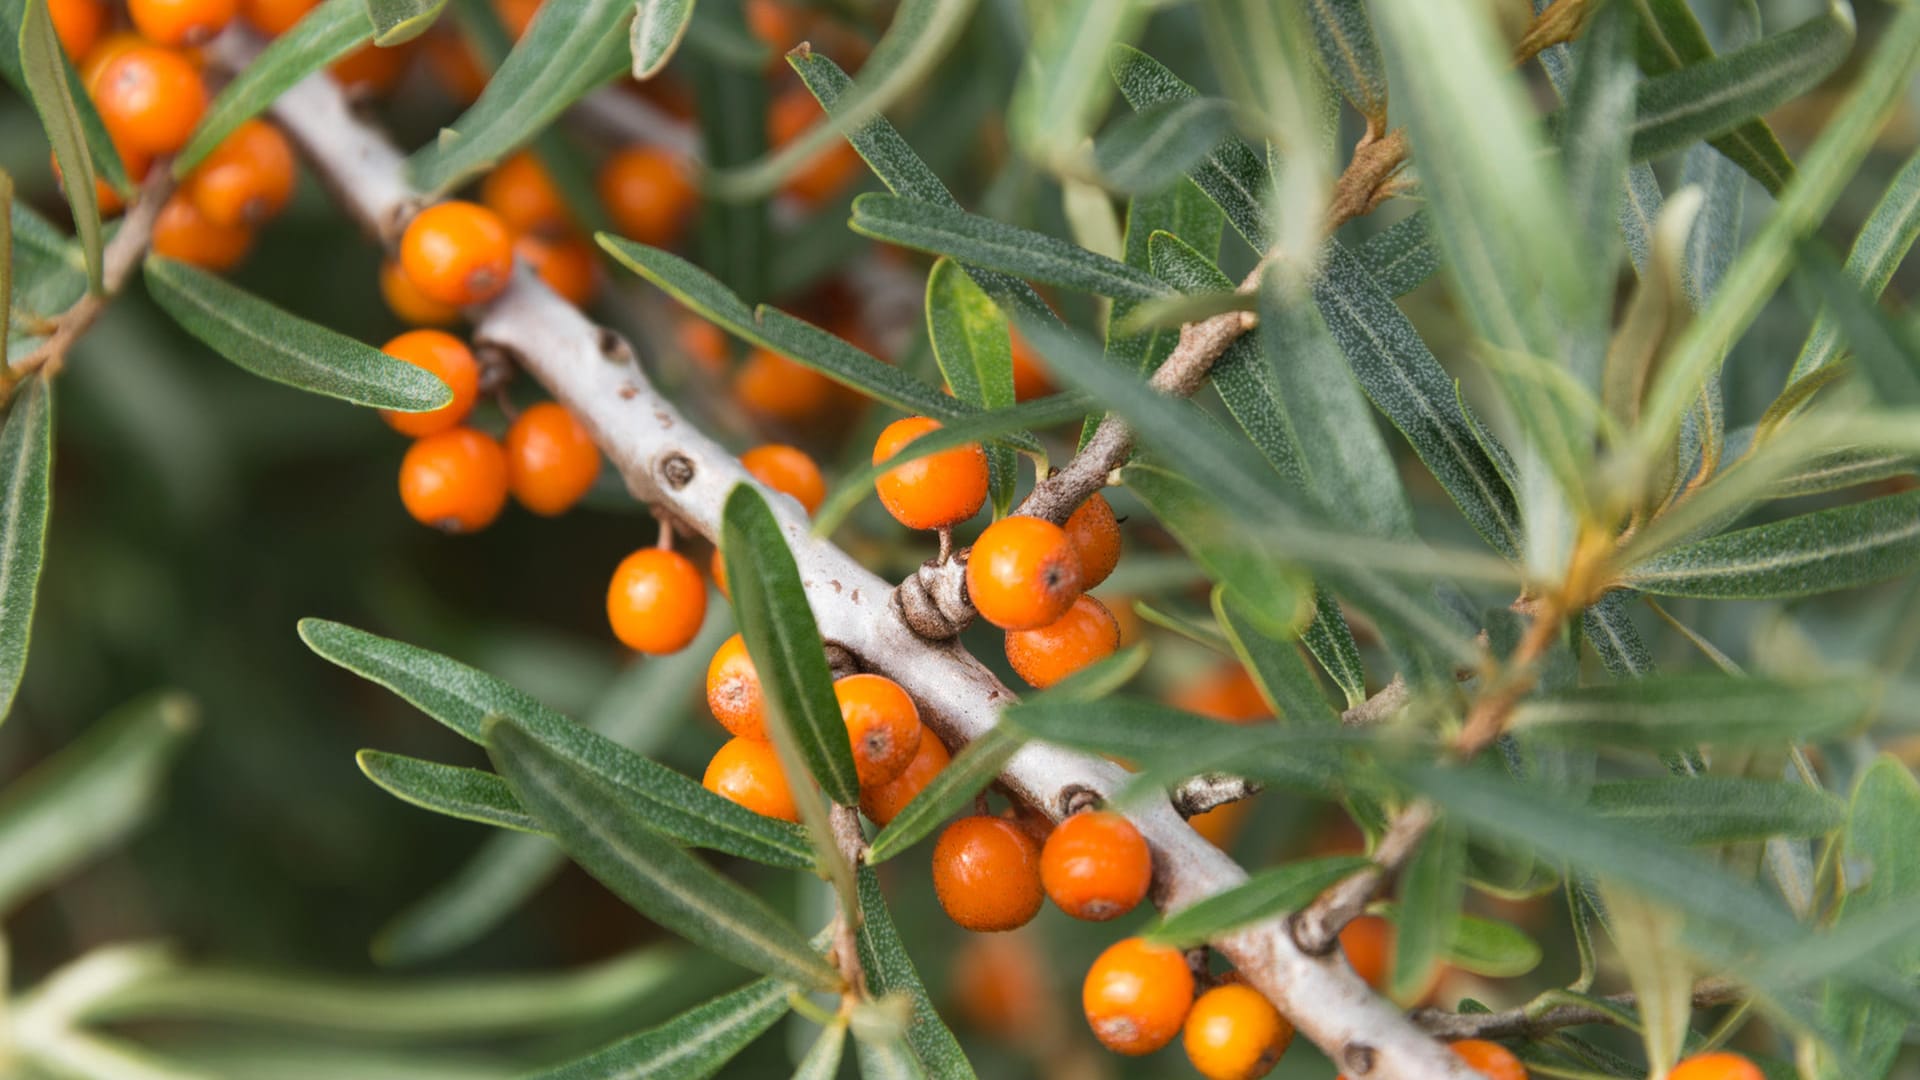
(524, 195)
(1491, 1060)
(371, 70)
(566, 263)
(1023, 573)
(788, 471)
(150, 98)
(77, 23)
(647, 194)
(454, 480)
(1235, 1033)
(516, 15)
(181, 22)
(103, 53)
(247, 179)
(788, 117)
(1096, 866)
(275, 17)
(1000, 985)
(657, 601)
(1030, 378)
(881, 803)
(408, 303)
(458, 253)
(1368, 943)
(748, 772)
(882, 724)
(733, 691)
(447, 358)
(986, 872)
(933, 491)
(718, 568)
(773, 386)
(135, 162)
(1095, 533)
(704, 343)
(551, 460)
(1087, 633)
(181, 232)
(1137, 995)
(1225, 693)
(1719, 1066)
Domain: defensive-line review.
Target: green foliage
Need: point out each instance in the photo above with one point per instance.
(26, 463)
(658, 27)
(43, 67)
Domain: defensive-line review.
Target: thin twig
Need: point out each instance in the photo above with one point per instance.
(852, 842)
(1316, 927)
(1530, 1021)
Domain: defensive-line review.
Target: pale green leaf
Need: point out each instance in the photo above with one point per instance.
(1156, 146)
(1432, 886)
(1275, 664)
(396, 22)
(1647, 939)
(1670, 38)
(1063, 87)
(26, 467)
(658, 27)
(976, 765)
(1402, 256)
(696, 1044)
(1839, 548)
(44, 69)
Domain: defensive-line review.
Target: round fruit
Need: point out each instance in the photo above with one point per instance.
(1137, 996)
(520, 190)
(986, 872)
(275, 17)
(883, 726)
(781, 389)
(455, 480)
(408, 303)
(1719, 1066)
(936, 490)
(447, 358)
(788, 471)
(657, 601)
(1491, 1060)
(181, 22)
(1235, 1033)
(247, 179)
(1367, 942)
(77, 23)
(1086, 634)
(181, 232)
(1096, 866)
(551, 460)
(566, 263)
(150, 99)
(884, 802)
(1000, 985)
(733, 691)
(748, 772)
(457, 253)
(1023, 573)
(1096, 539)
(647, 194)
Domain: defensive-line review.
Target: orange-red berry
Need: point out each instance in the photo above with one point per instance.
(1717, 1066)
(789, 471)
(520, 190)
(1234, 1033)
(1086, 634)
(773, 386)
(933, 491)
(703, 343)
(454, 480)
(733, 691)
(457, 253)
(181, 22)
(566, 263)
(647, 194)
(371, 70)
(182, 232)
(150, 98)
(657, 601)
(408, 303)
(1000, 985)
(1095, 533)
(1023, 573)
(1137, 996)
(1225, 693)
(247, 179)
(1096, 866)
(1030, 378)
(77, 23)
(883, 726)
(748, 772)
(447, 358)
(1490, 1059)
(551, 460)
(275, 17)
(883, 802)
(986, 872)
(1368, 942)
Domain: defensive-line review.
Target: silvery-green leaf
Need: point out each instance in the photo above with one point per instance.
(1878, 249)
(1838, 548)
(658, 27)
(1063, 86)
(26, 467)
(696, 1044)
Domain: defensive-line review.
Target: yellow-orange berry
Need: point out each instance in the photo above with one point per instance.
(789, 471)
(551, 460)
(247, 179)
(986, 872)
(703, 343)
(1086, 634)
(781, 389)
(454, 480)
(448, 359)
(566, 263)
(150, 98)
(647, 194)
(77, 23)
(516, 15)
(882, 802)
(408, 303)
(1095, 533)
(275, 17)
(657, 601)
(523, 194)
(883, 726)
(936, 490)
(1030, 378)
(1234, 1033)
(1490, 1059)
(733, 691)
(181, 232)
(1023, 573)
(1000, 985)
(371, 70)
(1137, 996)
(1368, 943)
(748, 772)
(1717, 1066)
(457, 253)
(181, 22)
(824, 174)
(1225, 693)
(1096, 866)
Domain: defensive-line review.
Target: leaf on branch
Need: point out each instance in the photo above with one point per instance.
(1718, 809)
(1432, 887)
(44, 70)
(1886, 352)
(1232, 175)
(889, 970)
(697, 1043)
(469, 794)
(977, 764)
(658, 28)
(1839, 548)
(1262, 896)
(1670, 37)
(396, 22)
(1344, 35)
(105, 158)
(1879, 248)
(975, 354)
(1881, 868)
(26, 466)
(1402, 256)
(1156, 146)
(1671, 712)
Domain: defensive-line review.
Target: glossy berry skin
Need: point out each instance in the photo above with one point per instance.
(1717, 1066)
(1086, 634)
(1095, 533)
(883, 726)
(175, 23)
(551, 460)
(986, 872)
(566, 263)
(275, 17)
(885, 801)
(457, 253)
(408, 303)
(1096, 866)
(446, 357)
(657, 601)
(77, 23)
(455, 481)
(247, 179)
(1368, 942)
(733, 691)
(523, 194)
(748, 772)
(181, 232)
(935, 491)
(1491, 1060)
(775, 387)
(1137, 995)
(647, 194)
(1234, 1033)
(150, 99)
(788, 471)
(1023, 573)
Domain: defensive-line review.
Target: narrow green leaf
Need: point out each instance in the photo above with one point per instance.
(692, 1046)
(658, 27)
(1180, 210)
(1275, 664)
(1883, 242)
(276, 345)
(1402, 256)
(1263, 895)
(1156, 146)
(1432, 887)
(1274, 597)
(1883, 350)
(1675, 711)
(889, 970)
(1233, 175)
(1593, 155)
(972, 769)
(1062, 89)
(26, 467)
(1623, 652)
(43, 67)
(1495, 949)
(1670, 38)
(1647, 938)
(49, 274)
(1882, 871)
(1839, 469)
(971, 345)
(396, 22)
(823, 1057)
(1840, 548)
(1330, 640)
(1348, 51)
(1718, 809)
(589, 819)
(469, 794)
(106, 159)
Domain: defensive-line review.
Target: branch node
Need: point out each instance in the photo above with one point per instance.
(613, 346)
(841, 661)
(1199, 794)
(1359, 1059)
(1074, 798)
(496, 365)
(933, 601)
(677, 471)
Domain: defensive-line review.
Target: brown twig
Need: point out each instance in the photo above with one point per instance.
(1316, 927)
(1531, 1021)
(852, 842)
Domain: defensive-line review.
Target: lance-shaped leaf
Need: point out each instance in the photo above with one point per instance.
(1495, 949)
(1670, 37)
(696, 1044)
(975, 354)
(105, 158)
(1432, 887)
(1232, 175)
(1882, 869)
(1839, 548)
(1845, 468)
(1151, 149)
(276, 345)
(658, 27)
(1262, 896)
(1884, 351)
(971, 770)
(1647, 937)
(43, 67)
(1402, 256)
(1062, 88)
(889, 970)
(1182, 211)
(1609, 628)
(1275, 664)
(1673, 711)
(458, 792)
(1718, 809)
(26, 466)
(823, 1057)
(396, 22)
(1344, 35)
(590, 820)
(1275, 597)
(1883, 242)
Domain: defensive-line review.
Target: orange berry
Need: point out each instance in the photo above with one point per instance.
(551, 460)
(247, 179)
(1368, 943)
(1085, 634)
(1095, 533)
(1719, 1066)
(455, 67)
(647, 194)
(1225, 693)
(1137, 995)
(457, 253)
(1235, 1033)
(78, 24)
(181, 22)
(986, 872)
(135, 162)
(1496, 1062)
(1000, 985)
(371, 70)
(883, 802)
(1023, 573)
(718, 568)
(150, 98)
(1030, 378)
(883, 726)
(933, 491)
(446, 357)
(408, 303)
(1096, 866)
(788, 471)
(775, 23)
(748, 772)
(275, 17)
(790, 115)
(523, 194)
(733, 691)
(773, 386)
(454, 480)
(180, 232)
(1221, 825)
(516, 15)
(657, 601)
(566, 263)
(103, 53)
(704, 343)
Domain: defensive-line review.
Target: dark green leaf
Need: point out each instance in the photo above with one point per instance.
(1262, 896)
(1156, 146)
(26, 465)
(1839, 548)
(890, 970)
(1402, 256)
(1181, 210)
(972, 769)
(1275, 663)
(1883, 349)
(696, 1044)
(1330, 640)
(448, 789)
(1718, 809)
(658, 26)
(1677, 711)
(43, 67)
(1432, 887)
(1344, 35)
(396, 22)
(1273, 596)
(1611, 631)
(971, 345)
(1233, 175)
(1838, 469)
(1670, 38)
(1883, 242)
(1882, 867)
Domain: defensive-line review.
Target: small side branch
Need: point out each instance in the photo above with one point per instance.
(1549, 1015)
(1316, 927)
